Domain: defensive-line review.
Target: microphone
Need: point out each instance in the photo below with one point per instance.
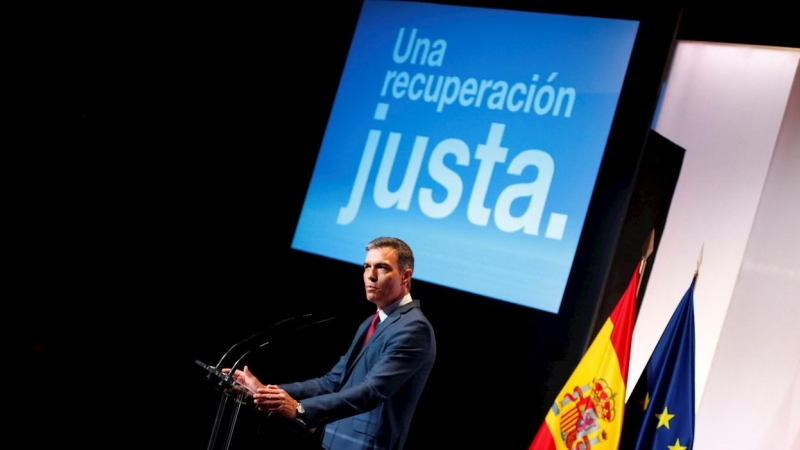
(258, 334)
(300, 328)
(225, 380)
(313, 324)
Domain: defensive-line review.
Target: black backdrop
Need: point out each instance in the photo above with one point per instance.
(157, 197)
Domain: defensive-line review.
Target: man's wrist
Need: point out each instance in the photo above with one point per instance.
(300, 412)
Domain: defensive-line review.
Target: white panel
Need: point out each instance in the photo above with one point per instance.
(794, 413)
(724, 104)
(756, 360)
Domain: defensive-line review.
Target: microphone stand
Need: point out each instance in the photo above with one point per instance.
(239, 402)
(231, 389)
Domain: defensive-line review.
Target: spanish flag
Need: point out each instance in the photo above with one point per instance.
(588, 411)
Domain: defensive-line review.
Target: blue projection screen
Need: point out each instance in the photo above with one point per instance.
(473, 134)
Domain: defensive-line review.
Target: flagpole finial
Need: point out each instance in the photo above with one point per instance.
(699, 259)
(647, 250)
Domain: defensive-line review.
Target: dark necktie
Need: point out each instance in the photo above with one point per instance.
(371, 329)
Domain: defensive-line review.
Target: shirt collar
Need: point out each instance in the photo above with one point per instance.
(384, 313)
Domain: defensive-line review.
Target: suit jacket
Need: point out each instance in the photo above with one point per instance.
(368, 398)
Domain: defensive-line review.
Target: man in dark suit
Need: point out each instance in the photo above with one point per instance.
(368, 398)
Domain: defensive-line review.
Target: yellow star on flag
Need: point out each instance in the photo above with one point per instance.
(677, 445)
(664, 418)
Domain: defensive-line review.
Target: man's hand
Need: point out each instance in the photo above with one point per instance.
(271, 398)
(246, 378)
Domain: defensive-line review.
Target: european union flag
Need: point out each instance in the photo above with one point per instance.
(660, 412)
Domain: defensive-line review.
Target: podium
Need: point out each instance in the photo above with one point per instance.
(239, 426)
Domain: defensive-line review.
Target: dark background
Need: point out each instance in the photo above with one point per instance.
(158, 172)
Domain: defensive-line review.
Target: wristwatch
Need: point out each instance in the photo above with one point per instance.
(301, 412)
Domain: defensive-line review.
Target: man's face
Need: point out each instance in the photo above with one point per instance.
(383, 279)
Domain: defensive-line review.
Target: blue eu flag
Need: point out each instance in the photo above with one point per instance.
(660, 412)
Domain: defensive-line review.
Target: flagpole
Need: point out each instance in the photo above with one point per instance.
(699, 260)
(647, 250)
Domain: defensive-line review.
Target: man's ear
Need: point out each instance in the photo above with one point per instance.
(407, 276)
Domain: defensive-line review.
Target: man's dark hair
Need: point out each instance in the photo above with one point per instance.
(405, 257)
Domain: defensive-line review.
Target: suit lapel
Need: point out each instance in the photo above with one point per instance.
(358, 349)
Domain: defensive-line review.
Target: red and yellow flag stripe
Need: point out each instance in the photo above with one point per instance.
(588, 411)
